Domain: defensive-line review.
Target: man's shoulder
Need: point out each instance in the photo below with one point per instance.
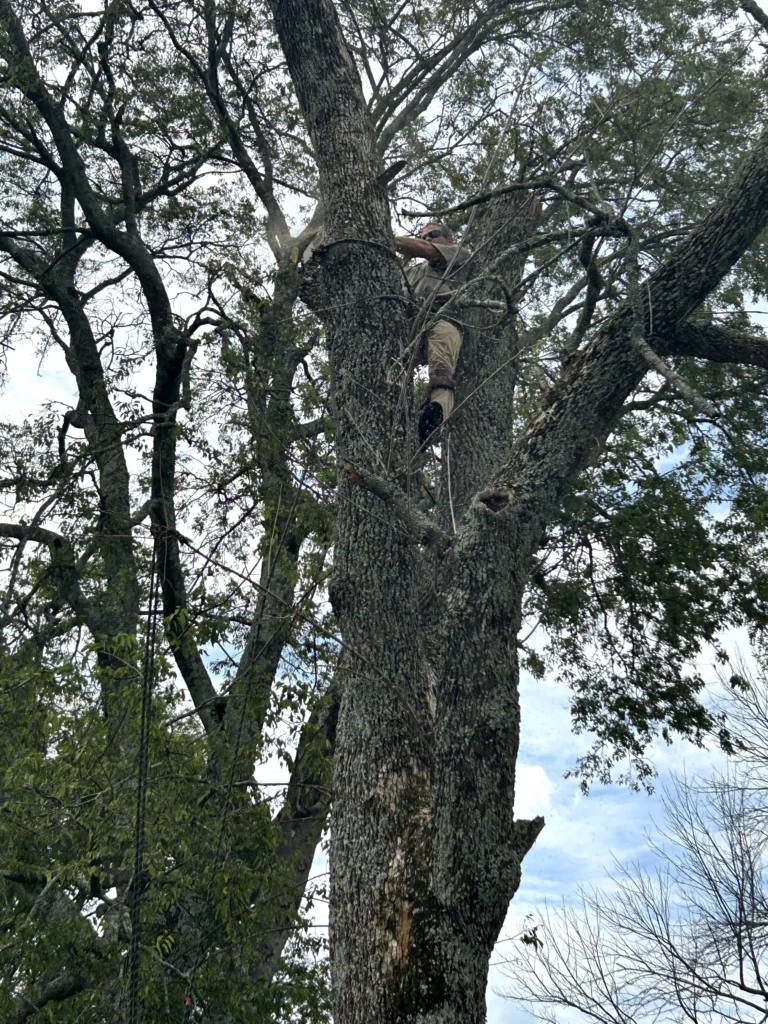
(453, 253)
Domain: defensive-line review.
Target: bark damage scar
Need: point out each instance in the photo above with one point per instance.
(494, 500)
(396, 926)
(402, 933)
(396, 916)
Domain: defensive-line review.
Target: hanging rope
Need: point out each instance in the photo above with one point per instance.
(141, 791)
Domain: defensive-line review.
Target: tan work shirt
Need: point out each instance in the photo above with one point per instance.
(439, 279)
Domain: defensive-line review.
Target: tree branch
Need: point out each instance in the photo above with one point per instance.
(718, 344)
(62, 987)
(422, 82)
(516, 186)
(417, 525)
(755, 11)
(302, 819)
(63, 571)
(584, 405)
(653, 359)
(526, 832)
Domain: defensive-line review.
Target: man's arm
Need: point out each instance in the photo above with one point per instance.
(418, 247)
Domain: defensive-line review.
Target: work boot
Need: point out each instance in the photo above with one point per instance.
(429, 421)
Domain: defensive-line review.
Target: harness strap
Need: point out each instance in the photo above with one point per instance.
(440, 379)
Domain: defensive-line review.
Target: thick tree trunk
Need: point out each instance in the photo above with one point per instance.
(426, 851)
(382, 782)
(382, 779)
(478, 432)
(406, 941)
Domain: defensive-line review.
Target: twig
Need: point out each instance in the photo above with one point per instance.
(653, 359)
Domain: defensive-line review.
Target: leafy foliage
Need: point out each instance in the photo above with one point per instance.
(67, 831)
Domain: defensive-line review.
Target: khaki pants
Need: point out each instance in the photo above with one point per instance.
(443, 346)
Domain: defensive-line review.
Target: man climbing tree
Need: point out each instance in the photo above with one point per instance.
(437, 334)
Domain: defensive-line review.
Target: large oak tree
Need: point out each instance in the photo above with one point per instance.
(166, 168)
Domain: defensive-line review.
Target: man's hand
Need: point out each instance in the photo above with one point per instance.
(417, 247)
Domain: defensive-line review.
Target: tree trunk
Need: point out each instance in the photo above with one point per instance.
(479, 429)
(426, 851)
(408, 941)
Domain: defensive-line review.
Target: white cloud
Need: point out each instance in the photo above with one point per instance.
(533, 791)
(584, 836)
(32, 381)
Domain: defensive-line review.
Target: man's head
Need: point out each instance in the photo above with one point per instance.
(436, 232)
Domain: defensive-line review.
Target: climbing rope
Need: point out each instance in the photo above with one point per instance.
(141, 792)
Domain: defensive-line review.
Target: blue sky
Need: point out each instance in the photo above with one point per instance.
(584, 835)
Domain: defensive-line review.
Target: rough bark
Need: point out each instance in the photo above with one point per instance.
(382, 774)
(717, 344)
(426, 850)
(478, 431)
(396, 941)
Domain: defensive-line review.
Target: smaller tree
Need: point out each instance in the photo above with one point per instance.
(687, 940)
